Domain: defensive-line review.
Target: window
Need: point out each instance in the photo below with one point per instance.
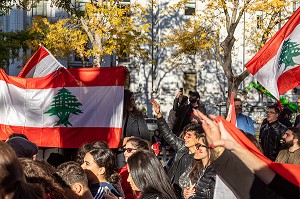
(259, 19)
(189, 82)
(41, 9)
(190, 8)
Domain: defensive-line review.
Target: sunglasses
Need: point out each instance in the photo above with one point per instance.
(129, 150)
(198, 145)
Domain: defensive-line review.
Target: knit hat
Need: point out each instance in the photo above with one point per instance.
(22, 147)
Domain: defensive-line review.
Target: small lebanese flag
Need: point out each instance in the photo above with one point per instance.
(66, 108)
(40, 64)
(276, 65)
(231, 116)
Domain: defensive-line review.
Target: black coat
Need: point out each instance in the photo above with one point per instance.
(179, 116)
(176, 143)
(269, 137)
(246, 185)
(205, 184)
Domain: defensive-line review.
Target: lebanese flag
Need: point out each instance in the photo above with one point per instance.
(42, 63)
(276, 65)
(66, 108)
(231, 116)
(288, 171)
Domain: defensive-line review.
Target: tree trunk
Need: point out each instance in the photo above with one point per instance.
(97, 59)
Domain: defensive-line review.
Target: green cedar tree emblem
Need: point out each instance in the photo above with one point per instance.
(64, 104)
(288, 52)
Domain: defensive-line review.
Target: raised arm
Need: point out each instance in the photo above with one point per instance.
(174, 141)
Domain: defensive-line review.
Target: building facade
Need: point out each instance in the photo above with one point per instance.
(159, 78)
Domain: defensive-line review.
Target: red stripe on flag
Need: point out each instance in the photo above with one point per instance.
(288, 171)
(231, 110)
(288, 80)
(63, 137)
(82, 77)
(40, 54)
(270, 49)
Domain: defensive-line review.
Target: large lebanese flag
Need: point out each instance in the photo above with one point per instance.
(65, 108)
(288, 171)
(276, 65)
(42, 63)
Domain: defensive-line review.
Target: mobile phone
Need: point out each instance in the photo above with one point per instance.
(181, 89)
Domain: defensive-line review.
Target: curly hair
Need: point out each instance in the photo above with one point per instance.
(36, 173)
(88, 147)
(197, 128)
(106, 158)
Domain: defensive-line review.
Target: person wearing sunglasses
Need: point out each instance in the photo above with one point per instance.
(132, 145)
(184, 148)
(201, 176)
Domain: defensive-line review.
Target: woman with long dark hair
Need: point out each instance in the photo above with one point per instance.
(132, 145)
(199, 179)
(134, 123)
(101, 169)
(146, 174)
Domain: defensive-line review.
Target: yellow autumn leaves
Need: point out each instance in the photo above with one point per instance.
(103, 29)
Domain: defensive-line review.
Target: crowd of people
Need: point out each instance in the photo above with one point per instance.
(208, 162)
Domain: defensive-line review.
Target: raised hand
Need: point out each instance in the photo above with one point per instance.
(211, 128)
(156, 106)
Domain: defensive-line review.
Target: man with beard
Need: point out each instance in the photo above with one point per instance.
(291, 153)
(244, 122)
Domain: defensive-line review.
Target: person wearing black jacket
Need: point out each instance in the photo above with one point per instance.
(246, 175)
(184, 113)
(184, 148)
(271, 133)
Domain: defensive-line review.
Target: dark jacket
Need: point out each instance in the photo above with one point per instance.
(182, 116)
(176, 143)
(269, 137)
(246, 185)
(135, 125)
(205, 184)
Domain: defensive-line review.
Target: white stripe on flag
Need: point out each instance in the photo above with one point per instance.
(46, 66)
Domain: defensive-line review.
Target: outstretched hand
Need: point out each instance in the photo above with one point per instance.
(155, 105)
(227, 141)
(216, 134)
(210, 127)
